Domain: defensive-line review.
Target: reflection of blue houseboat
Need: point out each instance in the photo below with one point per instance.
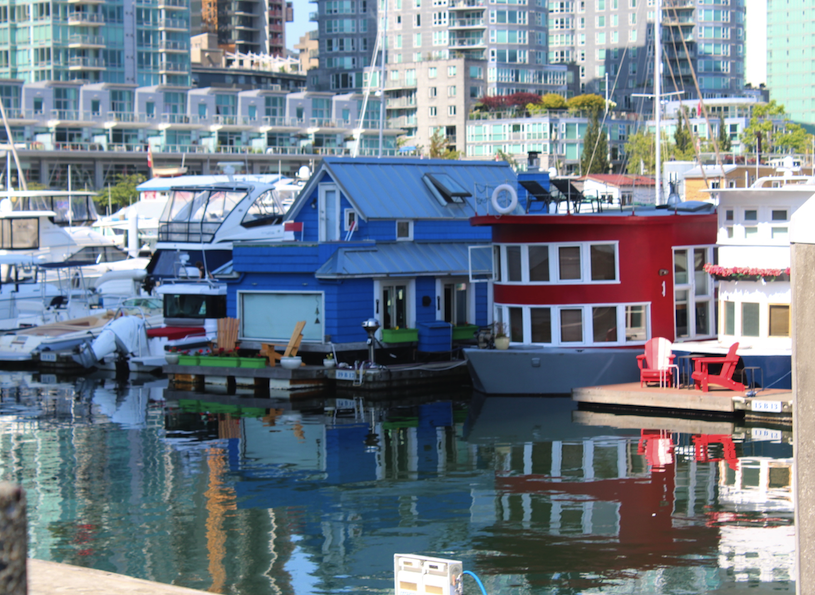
(384, 239)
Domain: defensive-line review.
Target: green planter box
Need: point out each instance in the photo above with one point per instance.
(219, 362)
(187, 360)
(252, 362)
(402, 335)
(464, 332)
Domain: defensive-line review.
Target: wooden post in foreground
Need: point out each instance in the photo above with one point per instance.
(13, 540)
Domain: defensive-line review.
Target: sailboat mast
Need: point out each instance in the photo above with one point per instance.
(658, 97)
(383, 49)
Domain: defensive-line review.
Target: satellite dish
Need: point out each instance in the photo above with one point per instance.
(552, 172)
(304, 173)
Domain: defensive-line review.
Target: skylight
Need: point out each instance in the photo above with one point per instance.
(445, 189)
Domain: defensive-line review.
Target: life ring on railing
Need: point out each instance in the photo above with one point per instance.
(513, 199)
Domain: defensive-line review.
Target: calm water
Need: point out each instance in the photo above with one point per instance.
(252, 497)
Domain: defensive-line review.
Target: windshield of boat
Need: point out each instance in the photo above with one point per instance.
(193, 215)
(80, 205)
(267, 208)
(195, 306)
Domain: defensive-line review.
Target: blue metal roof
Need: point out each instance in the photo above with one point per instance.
(393, 188)
(405, 259)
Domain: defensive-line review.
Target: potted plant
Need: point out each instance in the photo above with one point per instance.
(171, 356)
(328, 361)
(501, 339)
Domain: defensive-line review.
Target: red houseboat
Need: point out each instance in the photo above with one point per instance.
(580, 286)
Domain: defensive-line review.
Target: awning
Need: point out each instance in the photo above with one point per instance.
(407, 260)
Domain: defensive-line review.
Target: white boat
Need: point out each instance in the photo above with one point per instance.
(204, 215)
(36, 233)
(191, 309)
(753, 276)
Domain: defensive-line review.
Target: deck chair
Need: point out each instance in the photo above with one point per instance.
(702, 376)
(269, 349)
(655, 364)
(227, 333)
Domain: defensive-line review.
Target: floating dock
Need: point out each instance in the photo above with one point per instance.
(764, 405)
(271, 379)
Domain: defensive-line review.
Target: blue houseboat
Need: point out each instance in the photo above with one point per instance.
(384, 239)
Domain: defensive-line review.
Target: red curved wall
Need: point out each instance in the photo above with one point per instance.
(645, 246)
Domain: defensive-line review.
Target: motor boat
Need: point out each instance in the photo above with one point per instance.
(206, 214)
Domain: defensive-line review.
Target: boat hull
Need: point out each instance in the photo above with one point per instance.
(549, 371)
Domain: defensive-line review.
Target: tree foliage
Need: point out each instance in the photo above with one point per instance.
(594, 159)
(122, 194)
(724, 137)
(682, 148)
(589, 102)
(761, 126)
(550, 101)
(641, 153)
(439, 148)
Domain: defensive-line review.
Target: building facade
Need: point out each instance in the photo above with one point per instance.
(790, 51)
(612, 41)
(141, 43)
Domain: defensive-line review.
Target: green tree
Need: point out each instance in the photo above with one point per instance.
(550, 101)
(439, 148)
(724, 137)
(761, 125)
(500, 155)
(589, 102)
(794, 139)
(122, 194)
(683, 139)
(594, 159)
(641, 153)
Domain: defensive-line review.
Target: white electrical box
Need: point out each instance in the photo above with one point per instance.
(420, 575)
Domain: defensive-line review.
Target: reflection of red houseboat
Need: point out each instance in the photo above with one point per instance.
(581, 292)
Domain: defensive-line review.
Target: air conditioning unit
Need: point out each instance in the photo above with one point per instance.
(420, 575)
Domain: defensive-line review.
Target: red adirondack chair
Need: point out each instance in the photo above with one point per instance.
(655, 364)
(702, 376)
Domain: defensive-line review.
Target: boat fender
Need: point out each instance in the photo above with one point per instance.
(513, 199)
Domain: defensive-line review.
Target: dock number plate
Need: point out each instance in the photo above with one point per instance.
(48, 356)
(765, 434)
(769, 406)
(345, 375)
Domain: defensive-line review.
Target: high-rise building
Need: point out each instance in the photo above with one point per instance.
(790, 55)
(442, 57)
(136, 43)
(244, 26)
(612, 41)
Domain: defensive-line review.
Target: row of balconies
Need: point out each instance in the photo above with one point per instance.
(307, 149)
(19, 117)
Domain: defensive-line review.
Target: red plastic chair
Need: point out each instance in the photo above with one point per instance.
(655, 364)
(702, 377)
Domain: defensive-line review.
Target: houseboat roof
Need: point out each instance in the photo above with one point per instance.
(626, 215)
(621, 180)
(410, 188)
(405, 259)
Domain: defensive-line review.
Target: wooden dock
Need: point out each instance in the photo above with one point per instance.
(263, 380)
(275, 379)
(765, 405)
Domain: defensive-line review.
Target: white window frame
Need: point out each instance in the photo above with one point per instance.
(470, 297)
(410, 299)
(502, 313)
(409, 237)
(690, 287)
(554, 264)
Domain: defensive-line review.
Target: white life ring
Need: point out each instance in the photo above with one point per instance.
(513, 199)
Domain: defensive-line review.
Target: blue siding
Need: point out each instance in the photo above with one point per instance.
(425, 286)
(481, 303)
(450, 230)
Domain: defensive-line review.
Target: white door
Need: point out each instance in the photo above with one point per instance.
(329, 213)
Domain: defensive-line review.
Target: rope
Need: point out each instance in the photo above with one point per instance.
(477, 580)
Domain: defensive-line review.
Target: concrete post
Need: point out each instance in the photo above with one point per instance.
(802, 313)
(13, 540)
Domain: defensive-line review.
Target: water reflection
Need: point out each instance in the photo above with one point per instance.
(315, 495)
